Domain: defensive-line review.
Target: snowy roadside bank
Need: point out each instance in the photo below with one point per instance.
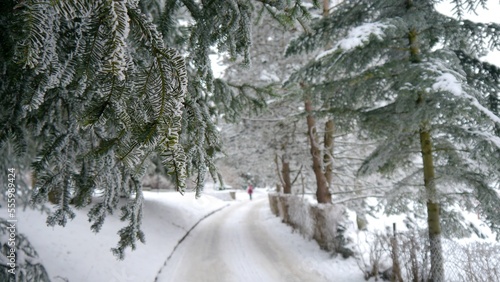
(75, 254)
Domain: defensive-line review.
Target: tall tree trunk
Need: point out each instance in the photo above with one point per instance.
(280, 176)
(328, 154)
(326, 7)
(322, 193)
(329, 128)
(433, 213)
(285, 172)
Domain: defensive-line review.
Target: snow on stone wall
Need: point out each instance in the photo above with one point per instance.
(301, 215)
(313, 221)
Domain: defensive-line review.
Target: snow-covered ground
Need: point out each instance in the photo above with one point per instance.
(241, 242)
(75, 254)
(245, 242)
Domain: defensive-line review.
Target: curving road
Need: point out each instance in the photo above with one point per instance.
(232, 245)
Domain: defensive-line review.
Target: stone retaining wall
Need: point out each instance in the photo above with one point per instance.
(314, 221)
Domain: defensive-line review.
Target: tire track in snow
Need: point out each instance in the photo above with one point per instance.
(185, 236)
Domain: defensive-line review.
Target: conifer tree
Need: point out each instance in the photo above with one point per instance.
(405, 74)
(275, 130)
(91, 90)
(322, 164)
(281, 127)
(227, 26)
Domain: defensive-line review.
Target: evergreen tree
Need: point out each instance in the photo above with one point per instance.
(276, 138)
(322, 163)
(227, 26)
(262, 135)
(405, 74)
(91, 90)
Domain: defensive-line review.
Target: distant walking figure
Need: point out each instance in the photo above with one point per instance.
(250, 191)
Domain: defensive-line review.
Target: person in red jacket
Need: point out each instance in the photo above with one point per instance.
(250, 191)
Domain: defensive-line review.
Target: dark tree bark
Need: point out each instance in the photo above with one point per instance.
(322, 193)
(285, 172)
(328, 154)
(433, 214)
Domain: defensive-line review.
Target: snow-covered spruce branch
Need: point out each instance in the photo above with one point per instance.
(358, 198)
(264, 119)
(358, 190)
(365, 144)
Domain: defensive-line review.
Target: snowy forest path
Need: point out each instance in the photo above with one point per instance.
(233, 245)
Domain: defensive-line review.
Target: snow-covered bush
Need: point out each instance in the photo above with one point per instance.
(463, 262)
(373, 253)
(480, 262)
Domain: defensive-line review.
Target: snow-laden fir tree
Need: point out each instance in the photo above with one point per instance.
(277, 137)
(405, 74)
(229, 99)
(190, 26)
(91, 90)
(274, 130)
